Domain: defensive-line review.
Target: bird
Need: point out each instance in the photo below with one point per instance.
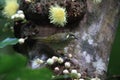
(57, 41)
(56, 38)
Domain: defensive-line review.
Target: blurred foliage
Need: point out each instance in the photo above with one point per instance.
(13, 66)
(9, 62)
(28, 74)
(114, 64)
(2, 2)
(8, 41)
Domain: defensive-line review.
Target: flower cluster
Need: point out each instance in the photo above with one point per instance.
(58, 15)
(62, 67)
(10, 8)
(50, 61)
(18, 15)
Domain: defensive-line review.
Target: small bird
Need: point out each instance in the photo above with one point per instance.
(56, 41)
(56, 38)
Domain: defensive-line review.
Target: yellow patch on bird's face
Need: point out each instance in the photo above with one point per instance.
(10, 8)
(57, 15)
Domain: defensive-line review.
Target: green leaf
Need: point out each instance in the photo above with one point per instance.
(8, 41)
(2, 3)
(11, 62)
(30, 74)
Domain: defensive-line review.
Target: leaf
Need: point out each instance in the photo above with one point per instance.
(2, 3)
(30, 74)
(11, 62)
(8, 41)
(13, 67)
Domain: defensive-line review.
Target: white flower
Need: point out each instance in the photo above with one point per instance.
(39, 61)
(70, 55)
(55, 58)
(19, 12)
(22, 16)
(60, 60)
(67, 64)
(21, 40)
(16, 15)
(50, 61)
(78, 75)
(73, 71)
(56, 69)
(65, 71)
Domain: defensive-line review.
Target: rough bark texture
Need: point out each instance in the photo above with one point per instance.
(95, 35)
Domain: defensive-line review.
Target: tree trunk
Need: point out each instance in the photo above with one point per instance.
(96, 35)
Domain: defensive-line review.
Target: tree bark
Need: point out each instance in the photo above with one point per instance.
(96, 35)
